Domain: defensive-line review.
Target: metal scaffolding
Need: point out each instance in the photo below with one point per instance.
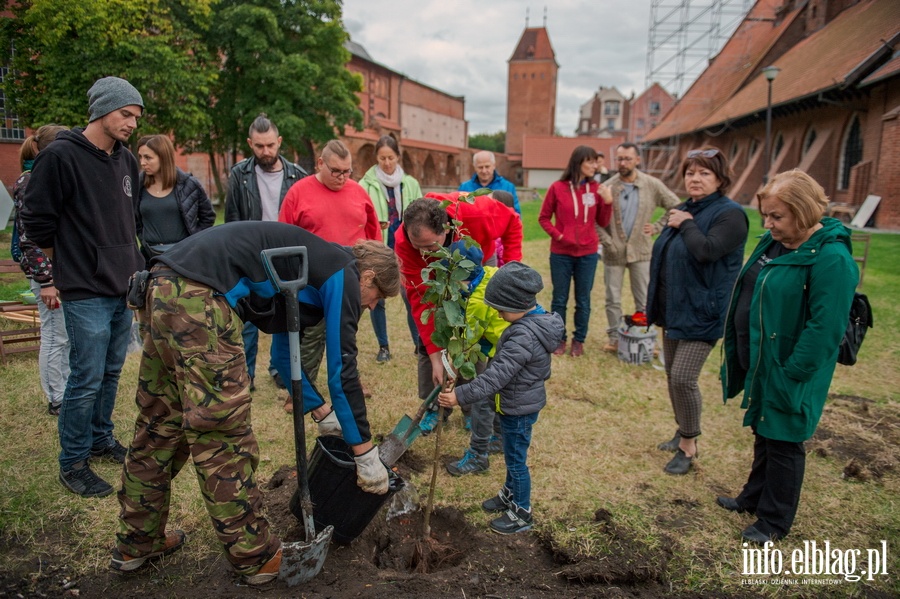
(684, 35)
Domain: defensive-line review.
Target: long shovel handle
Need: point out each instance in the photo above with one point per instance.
(290, 289)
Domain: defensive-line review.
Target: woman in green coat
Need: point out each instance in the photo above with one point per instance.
(788, 314)
(391, 191)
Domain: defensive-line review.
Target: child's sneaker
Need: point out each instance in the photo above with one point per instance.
(429, 421)
(126, 563)
(499, 502)
(470, 463)
(495, 444)
(513, 520)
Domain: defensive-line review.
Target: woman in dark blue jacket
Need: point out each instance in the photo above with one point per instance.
(692, 271)
(171, 204)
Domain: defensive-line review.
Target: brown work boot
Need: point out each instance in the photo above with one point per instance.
(560, 349)
(289, 405)
(267, 573)
(577, 349)
(611, 347)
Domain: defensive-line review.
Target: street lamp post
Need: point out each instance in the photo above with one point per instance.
(770, 72)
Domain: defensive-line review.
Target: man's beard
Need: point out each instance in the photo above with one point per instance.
(266, 163)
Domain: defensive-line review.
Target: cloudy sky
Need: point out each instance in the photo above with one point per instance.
(462, 47)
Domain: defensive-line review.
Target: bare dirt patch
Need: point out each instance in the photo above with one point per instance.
(861, 433)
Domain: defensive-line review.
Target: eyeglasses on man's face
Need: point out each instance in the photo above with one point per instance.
(338, 173)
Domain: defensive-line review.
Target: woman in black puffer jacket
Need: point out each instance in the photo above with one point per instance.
(171, 204)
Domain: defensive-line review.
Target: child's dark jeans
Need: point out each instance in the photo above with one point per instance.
(516, 440)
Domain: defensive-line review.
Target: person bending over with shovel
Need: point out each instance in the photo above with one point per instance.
(194, 391)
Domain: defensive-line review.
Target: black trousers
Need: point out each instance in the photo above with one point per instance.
(772, 491)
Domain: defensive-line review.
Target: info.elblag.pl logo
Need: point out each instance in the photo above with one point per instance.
(813, 563)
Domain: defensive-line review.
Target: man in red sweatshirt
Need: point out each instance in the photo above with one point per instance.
(423, 230)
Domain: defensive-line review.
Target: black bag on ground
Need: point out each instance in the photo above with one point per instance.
(860, 322)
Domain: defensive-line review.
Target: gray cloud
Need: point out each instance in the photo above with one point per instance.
(461, 47)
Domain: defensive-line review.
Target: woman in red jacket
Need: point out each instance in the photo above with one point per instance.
(576, 205)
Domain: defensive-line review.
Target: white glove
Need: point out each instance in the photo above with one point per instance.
(330, 426)
(371, 473)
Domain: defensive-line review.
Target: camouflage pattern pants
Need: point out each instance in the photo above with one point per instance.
(194, 401)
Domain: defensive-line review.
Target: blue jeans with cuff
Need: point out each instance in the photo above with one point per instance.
(516, 440)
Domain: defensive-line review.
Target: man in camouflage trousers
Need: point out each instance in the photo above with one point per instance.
(195, 346)
(194, 390)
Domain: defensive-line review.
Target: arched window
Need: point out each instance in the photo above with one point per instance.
(779, 145)
(851, 152)
(809, 140)
(754, 146)
(732, 154)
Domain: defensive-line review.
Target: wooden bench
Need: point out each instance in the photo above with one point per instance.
(18, 340)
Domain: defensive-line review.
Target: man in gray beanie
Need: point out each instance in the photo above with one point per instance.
(78, 208)
(111, 93)
(517, 372)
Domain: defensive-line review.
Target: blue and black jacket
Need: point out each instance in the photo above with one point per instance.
(227, 259)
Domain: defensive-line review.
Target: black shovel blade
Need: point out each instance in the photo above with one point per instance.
(301, 561)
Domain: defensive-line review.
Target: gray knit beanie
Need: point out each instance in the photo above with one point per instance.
(111, 93)
(513, 288)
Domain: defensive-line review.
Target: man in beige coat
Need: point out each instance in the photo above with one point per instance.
(628, 239)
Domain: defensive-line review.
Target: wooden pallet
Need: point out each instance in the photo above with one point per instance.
(18, 340)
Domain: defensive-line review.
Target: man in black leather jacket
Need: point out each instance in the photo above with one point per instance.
(256, 188)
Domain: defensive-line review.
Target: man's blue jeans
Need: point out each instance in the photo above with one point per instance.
(563, 269)
(99, 330)
(516, 440)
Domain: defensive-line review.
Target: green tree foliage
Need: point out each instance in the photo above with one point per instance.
(494, 142)
(445, 282)
(285, 58)
(62, 46)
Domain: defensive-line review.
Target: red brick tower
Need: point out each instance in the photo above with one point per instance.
(531, 90)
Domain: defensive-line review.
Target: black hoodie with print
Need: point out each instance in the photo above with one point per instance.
(79, 202)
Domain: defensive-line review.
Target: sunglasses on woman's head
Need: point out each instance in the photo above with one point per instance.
(704, 153)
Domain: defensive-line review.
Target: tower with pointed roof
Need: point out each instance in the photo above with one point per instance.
(531, 89)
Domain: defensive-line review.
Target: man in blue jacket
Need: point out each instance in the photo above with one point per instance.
(79, 210)
(486, 176)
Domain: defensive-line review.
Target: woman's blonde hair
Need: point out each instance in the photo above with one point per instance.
(162, 147)
(802, 194)
(380, 259)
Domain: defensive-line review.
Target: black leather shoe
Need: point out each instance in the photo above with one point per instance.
(680, 464)
(753, 534)
(671, 445)
(730, 504)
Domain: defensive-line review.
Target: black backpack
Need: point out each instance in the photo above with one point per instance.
(859, 323)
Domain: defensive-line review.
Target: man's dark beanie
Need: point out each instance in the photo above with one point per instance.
(111, 93)
(513, 288)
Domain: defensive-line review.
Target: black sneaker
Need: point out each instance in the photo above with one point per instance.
(114, 453)
(252, 384)
(81, 480)
(276, 378)
(384, 354)
(499, 502)
(513, 520)
(53, 408)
